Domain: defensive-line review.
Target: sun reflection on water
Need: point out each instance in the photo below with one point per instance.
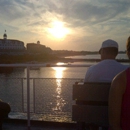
(60, 102)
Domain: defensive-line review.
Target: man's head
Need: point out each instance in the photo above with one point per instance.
(109, 49)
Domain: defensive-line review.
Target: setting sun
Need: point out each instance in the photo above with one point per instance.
(58, 30)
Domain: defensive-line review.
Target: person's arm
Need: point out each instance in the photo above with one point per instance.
(115, 101)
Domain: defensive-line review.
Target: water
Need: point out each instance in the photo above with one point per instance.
(59, 72)
(53, 97)
(96, 56)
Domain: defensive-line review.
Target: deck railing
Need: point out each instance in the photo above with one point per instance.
(51, 98)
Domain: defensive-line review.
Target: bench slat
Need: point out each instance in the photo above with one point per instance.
(97, 115)
(91, 92)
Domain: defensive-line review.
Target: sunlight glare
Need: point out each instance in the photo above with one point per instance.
(60, 102)
(59, 70)
(58, 30)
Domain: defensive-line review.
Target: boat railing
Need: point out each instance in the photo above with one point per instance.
(32, 95)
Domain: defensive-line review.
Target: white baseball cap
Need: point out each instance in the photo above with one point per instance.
(109, 43)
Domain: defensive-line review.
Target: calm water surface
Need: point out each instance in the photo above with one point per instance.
(97, 56)
(60, 72)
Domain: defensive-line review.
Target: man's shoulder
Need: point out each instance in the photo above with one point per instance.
(95, 66)
(98, 64)
(121, 65)
(109, 62)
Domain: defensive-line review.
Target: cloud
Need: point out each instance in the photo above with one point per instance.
(86, 18)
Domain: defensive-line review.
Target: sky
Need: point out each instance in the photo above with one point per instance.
(78, 25)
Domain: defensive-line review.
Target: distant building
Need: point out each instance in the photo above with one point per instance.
(37, 48)
(11, 45)
(33, 47)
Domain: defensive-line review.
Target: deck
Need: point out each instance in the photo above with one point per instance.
(18, 124)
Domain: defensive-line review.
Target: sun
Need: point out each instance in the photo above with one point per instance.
(58, 30)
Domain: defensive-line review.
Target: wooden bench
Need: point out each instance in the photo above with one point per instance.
(91, 104)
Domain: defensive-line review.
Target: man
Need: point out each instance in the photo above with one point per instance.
(105, 70)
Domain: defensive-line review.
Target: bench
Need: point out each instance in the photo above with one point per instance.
(91, 104)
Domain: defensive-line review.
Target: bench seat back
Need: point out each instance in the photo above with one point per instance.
(91, 103)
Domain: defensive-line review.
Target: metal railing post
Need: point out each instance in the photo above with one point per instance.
(22, 80)
(34, 95)
(28, 98)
